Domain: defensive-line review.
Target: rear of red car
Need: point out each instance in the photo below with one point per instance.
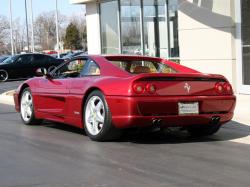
(173, 99)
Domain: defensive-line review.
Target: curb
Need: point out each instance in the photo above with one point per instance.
(7, 98)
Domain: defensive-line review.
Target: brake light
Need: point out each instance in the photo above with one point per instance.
(228, 88)
(138, 88)
(219, 87)
(151, 88)
(223, 88)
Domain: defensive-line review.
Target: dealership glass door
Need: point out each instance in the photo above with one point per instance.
(109, 27)
(245, 32)
(142, 27)
(155, 28)
(130, 26)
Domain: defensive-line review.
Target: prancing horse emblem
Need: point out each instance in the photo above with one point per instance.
(187, 87)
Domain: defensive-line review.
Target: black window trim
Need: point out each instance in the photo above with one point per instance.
(86, 66)
(88, 60)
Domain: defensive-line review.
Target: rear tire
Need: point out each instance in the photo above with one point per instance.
(27, 110)
(97, 118)
(3, 75)
(206, 130)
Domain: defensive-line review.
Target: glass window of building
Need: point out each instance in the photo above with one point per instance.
(245, 28)
(130, 27)
(109, 27)
(173, 28)
(155, 28)
(148, 27)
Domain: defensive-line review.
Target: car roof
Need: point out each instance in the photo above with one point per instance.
(118, 56)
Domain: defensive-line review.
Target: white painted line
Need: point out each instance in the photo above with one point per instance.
(6, 99)
(245, 140)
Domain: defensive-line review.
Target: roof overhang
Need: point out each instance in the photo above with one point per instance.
(81, 1)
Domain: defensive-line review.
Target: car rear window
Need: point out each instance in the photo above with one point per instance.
(141, 66)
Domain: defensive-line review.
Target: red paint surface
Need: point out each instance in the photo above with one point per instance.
(63, 100)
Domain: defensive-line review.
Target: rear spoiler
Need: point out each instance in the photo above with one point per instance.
(180, 77)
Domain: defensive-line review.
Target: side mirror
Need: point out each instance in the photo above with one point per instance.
(43, 72)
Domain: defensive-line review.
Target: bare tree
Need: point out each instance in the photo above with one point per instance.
(18, 35)
(4, 35)
(45, 29)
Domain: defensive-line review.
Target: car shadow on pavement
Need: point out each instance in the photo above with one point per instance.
(229, 132)
(63, 127)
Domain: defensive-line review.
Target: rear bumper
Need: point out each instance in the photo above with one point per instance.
(141, 111)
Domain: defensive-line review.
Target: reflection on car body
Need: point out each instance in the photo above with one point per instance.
(105, 94)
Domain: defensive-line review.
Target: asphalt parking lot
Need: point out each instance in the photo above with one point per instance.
(58, 155)
(7, 86)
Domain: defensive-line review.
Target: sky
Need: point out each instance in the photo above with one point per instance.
(39, 6)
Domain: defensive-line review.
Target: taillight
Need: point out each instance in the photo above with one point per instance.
(138, 88)
(219, 87)
(151, 88)
(144, 88)
(223, 88)
(228, 88)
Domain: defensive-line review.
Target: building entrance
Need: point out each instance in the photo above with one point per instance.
(245, 33)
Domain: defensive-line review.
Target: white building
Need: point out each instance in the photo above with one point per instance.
(212, 36)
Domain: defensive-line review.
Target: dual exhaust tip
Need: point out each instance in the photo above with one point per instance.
(215, 120)
(156, 122)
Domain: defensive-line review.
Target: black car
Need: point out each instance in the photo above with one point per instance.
(25, 65)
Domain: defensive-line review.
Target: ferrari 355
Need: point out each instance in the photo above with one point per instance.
(105, 94)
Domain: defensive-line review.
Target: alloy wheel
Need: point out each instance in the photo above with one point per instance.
(26, 106)
(94, 115)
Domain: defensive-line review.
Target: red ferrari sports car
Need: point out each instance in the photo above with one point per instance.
(105, 94)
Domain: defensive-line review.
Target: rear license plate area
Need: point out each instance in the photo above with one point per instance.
(188, 108)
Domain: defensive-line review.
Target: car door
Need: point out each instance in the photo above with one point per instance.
(39, 61)
(54, 92)
(78, 88)
(23, 66)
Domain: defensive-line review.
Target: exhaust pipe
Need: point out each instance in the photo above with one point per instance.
(157, 122)
(215, 120)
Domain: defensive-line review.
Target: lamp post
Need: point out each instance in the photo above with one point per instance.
(11, 28)
(27, 26)
(32, 28)
(57, 32)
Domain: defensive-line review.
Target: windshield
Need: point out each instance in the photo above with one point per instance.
(10, 59)
(3, 58)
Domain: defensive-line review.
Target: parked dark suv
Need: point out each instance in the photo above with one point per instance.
(25, 65)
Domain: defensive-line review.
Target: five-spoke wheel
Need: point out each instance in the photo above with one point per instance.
(27, 108)
(94, 115)
(97, 118)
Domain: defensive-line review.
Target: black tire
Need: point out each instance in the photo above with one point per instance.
(205, 130)
(107, 131)
(4, 76)
(31, 119)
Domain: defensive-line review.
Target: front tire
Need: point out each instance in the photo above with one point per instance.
(97, 118)
(27, 108)
(3, 75)
(206, 130)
